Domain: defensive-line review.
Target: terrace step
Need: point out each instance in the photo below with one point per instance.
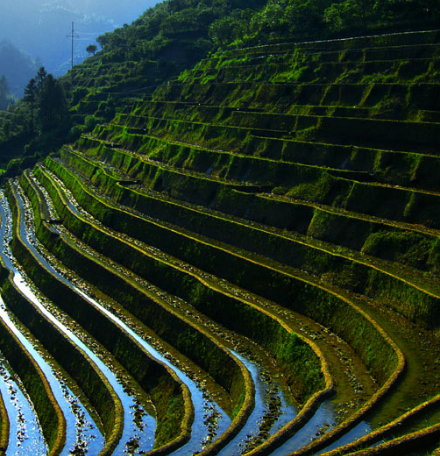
(279, 97)
(298, 56)
(412, 38)
(374, 133)
(295, 251)
(415, 206)
(325, 70)
(226, 167)
(207, 112)
(393, 167)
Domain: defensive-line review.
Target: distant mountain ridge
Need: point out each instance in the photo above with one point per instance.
(16, 66)
(41, 29)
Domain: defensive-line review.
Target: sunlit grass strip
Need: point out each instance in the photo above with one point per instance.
(51, 417)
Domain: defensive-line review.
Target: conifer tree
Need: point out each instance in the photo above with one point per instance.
(52, 104)
(30, 96)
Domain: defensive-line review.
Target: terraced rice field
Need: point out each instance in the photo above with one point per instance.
(246, 264)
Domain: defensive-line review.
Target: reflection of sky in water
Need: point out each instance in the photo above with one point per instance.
(201, 403)
(131, 429)
(237, 445)
(323, 419)
(203, 406)
(363, 428)
(287, 413)
(25, 436)
(87, 434)
(62, 394)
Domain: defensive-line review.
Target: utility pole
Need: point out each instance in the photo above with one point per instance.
(73, 36)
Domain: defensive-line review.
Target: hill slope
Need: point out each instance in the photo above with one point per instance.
(254, 250)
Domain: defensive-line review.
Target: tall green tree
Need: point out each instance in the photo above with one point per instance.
(40, 77)
(231, 28)
(92, 48)
(289, 19)
(350, 14)
(53, 108)
(47, 101)
(30, 96)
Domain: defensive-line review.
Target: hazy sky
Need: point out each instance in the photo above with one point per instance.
(40, 27)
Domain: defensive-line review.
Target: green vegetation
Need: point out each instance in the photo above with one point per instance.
(243, 181)
(134, 59)
(37, 125)
(172, 37)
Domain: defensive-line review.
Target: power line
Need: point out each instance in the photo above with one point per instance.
(93, 33)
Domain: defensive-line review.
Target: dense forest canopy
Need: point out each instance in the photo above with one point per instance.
(320, 19)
